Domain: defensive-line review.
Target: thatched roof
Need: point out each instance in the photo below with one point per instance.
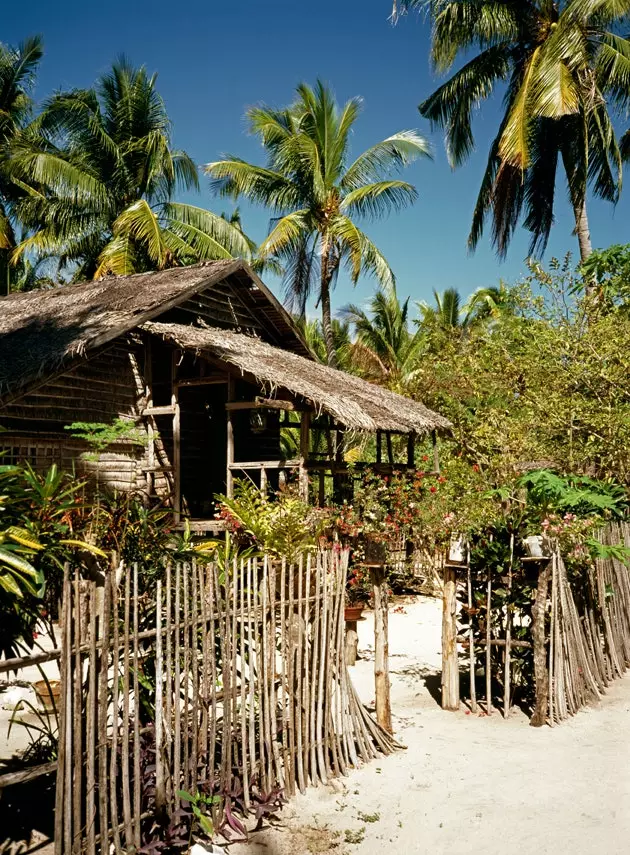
(44, 331)
(353, 402)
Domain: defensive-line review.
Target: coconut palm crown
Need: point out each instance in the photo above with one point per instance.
(385, 350)
(316, 193)
(560, 61)
(102, 175)
(18, 67)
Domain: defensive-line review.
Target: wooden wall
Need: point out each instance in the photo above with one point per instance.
(101, 389)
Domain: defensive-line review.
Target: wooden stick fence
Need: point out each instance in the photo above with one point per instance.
(222, 676)
(578, 632)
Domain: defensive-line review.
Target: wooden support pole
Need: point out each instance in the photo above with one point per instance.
(411, 451)
(381, 650)
(390, 450)
(305, 433)
(177, 459)
(541, 675)
(450, 663)
(436, 454)
(379, 446)
(229, 480)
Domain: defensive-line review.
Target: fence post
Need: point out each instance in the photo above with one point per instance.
(450, 663)
(381, 650)
(541, 675)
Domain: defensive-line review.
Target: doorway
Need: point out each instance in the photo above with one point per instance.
(203, 456)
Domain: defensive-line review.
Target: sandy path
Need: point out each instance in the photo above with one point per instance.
(466, 783)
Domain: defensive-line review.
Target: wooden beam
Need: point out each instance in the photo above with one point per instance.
(265, 404)
(263, 464)
(203, 381)
(379, 446)
(167, 410)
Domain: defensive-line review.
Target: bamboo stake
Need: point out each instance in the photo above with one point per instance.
(77, 720)
(136, 718)
(169, 680)
(205, 665)
(194, 652)
(234, 681)
(90, 784)
(186, 724)
(321, 629)
(160, 777)
(259, 596)
(298, 645)
(284, 678)
(102, 710)
(314, 731)
(243, 711)
(508, 637)
(306, 684)
(489, 645)
(253, 671)
(63, 712)
(113, 766)
(67, 690)
(177, 749)
(552, 633)
(214, 606)
(471, 644)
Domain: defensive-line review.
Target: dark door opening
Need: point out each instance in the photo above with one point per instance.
(203, 455)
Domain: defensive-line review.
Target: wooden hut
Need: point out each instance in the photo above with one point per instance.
(206, 365)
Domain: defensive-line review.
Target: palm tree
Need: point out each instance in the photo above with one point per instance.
(489, 303)
(18, 67)
(559, 59)
(385, 350)
(315, 193)
(447, 313)
(103, 175)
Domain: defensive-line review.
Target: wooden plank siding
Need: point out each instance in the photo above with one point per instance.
(101, 389)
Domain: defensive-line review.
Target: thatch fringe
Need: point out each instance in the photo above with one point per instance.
(355, 403)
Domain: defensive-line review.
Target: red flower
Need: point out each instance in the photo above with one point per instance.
(433, 489)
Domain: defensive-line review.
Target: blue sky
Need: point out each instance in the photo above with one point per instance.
(215, 58)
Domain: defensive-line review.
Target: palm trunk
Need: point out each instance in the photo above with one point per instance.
(582, 229)
(326, 278)
(331, 355)
(583, 233)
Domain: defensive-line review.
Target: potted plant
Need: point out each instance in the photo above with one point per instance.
(357, 593)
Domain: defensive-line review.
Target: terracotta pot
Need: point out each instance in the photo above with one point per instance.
(352, 613)
(48, 694)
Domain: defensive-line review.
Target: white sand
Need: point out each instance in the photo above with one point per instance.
(467, 784)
